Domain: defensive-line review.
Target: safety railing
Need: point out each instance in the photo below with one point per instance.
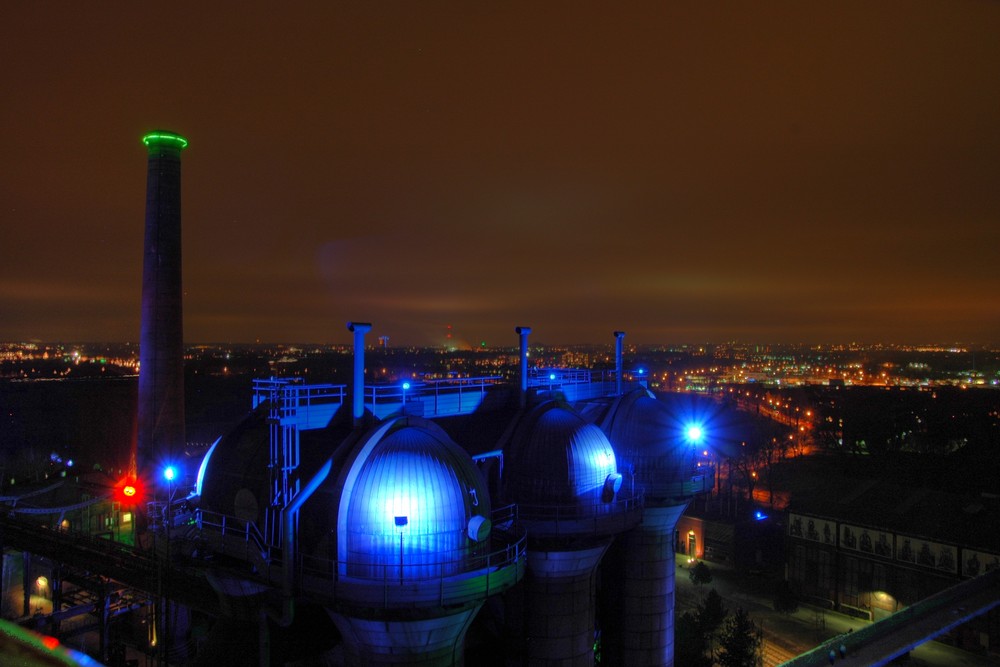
(545, 377)
(239, 538)
(580, 383)
(51, 540)
(597, 517)
(432, 578)
(505, 546)
(293, 400)
(429, 398)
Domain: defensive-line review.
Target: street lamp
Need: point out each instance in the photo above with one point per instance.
(169, 474)
(401, 523)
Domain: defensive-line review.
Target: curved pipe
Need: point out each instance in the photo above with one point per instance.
(289, 518)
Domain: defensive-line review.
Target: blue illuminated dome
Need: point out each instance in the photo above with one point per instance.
(556, 456)
(411, 498)
(652, 441)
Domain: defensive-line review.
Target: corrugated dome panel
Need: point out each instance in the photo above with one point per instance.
(591, 460)
(649, 437)
(559, 458)
(411, 503)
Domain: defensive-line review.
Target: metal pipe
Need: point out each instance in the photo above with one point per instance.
(289, 518)
(619, 335)
(523, 333)
(359, 329)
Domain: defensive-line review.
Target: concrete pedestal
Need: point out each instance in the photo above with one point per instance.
(438, 642)
(552, 617)
(638, 588)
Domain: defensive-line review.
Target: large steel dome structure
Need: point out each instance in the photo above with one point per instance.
(557, 457)
(562, 473)
(411, 499)
(657, 454)
(416, 555)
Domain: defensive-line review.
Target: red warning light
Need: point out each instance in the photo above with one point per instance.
(128, 491)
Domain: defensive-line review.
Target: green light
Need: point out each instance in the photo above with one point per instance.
(165, 139)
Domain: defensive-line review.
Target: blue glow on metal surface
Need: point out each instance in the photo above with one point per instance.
(604, 459)
(407, 503)
(204, 466)
(593, 460)
(760, 516)
(401, 505)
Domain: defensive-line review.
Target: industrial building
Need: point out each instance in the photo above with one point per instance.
(406, 514)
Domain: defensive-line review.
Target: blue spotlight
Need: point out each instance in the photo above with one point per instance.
(760, 516)
(694, 433)
(170, 473)
(406, 386)
(552, 376)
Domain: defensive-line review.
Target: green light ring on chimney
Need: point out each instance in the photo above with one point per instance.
(165, 139)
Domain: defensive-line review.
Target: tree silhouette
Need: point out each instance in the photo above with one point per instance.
(700, 574)
(711, 612)
(740, 642)
(690, 642)
(785, 600)
(693, 633)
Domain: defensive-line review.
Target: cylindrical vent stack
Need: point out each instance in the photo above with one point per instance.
(523, 333)
(161, 341)
(619, 336)
(358, 392)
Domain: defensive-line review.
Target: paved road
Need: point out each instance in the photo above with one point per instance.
(789, 635)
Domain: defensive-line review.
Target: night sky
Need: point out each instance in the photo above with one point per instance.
(688, 172)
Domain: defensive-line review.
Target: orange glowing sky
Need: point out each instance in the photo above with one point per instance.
(786, 171)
